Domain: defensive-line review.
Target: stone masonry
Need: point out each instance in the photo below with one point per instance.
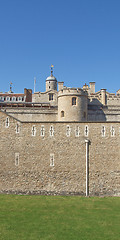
(64, 141)
(34, 174)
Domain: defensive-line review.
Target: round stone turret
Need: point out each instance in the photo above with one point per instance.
(51, 82)
(72, 105)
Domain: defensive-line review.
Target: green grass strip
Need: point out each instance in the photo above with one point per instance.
(59, 218)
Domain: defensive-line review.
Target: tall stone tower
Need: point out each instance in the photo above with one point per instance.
(51, 81)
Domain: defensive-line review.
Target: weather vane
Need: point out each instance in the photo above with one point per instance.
(11, 87)
(52, 70)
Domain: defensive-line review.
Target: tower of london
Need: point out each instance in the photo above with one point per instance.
(61, 141)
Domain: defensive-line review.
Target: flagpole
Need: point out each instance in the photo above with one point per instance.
(34, 83)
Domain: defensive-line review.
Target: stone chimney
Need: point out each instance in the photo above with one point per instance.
(92, 87)
(28, 94)
(103, 96)
(60, 85)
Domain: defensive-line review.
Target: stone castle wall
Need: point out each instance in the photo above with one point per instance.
(106, 113)
(43, 97)
(34, 114)
(34, 172)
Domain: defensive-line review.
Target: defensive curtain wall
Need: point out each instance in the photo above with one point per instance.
(50, 157)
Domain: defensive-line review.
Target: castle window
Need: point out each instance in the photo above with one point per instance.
(1, 98)
(42, 131)
(62, 113)
(50, 97)
(7, 122)
(16, 159)
(77, 131)
(103, 131)
(74, 101)
(51, 131)
(19, 99)
(112, 131)
(86, 131)
(14, 99)
(17, 128)
(7, 98)
(33, 131)
(52, 159)
(84, 114)
(68, 131)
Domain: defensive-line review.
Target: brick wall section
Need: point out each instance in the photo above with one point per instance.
(34, 173)
(28, 94)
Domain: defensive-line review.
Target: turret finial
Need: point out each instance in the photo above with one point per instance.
(52, 70)
(10, 91)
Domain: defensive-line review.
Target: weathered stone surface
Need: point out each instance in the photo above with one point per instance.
(34, 175)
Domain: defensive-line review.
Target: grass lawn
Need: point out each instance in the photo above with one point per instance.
(59, 218)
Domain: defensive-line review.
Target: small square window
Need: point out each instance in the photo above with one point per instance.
(103, 131)
(7, 98)
(112, 131)
(74, 101)
(84, 114)
(16, 159)
(62, 113)
(50, 97)
(42, 131)
(14, 99)
(68, 131)
(20, 99)
(77, 131)
(86, 131)
(17, 128)
(51, 131)
(52, 159)
(7, 122)
(1, 98)
(33, 131)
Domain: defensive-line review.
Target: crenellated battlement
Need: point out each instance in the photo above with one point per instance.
(72, 91)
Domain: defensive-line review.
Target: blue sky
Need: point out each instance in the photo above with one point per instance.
(81, 38)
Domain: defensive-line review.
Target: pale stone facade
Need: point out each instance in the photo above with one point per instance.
(45, 148)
